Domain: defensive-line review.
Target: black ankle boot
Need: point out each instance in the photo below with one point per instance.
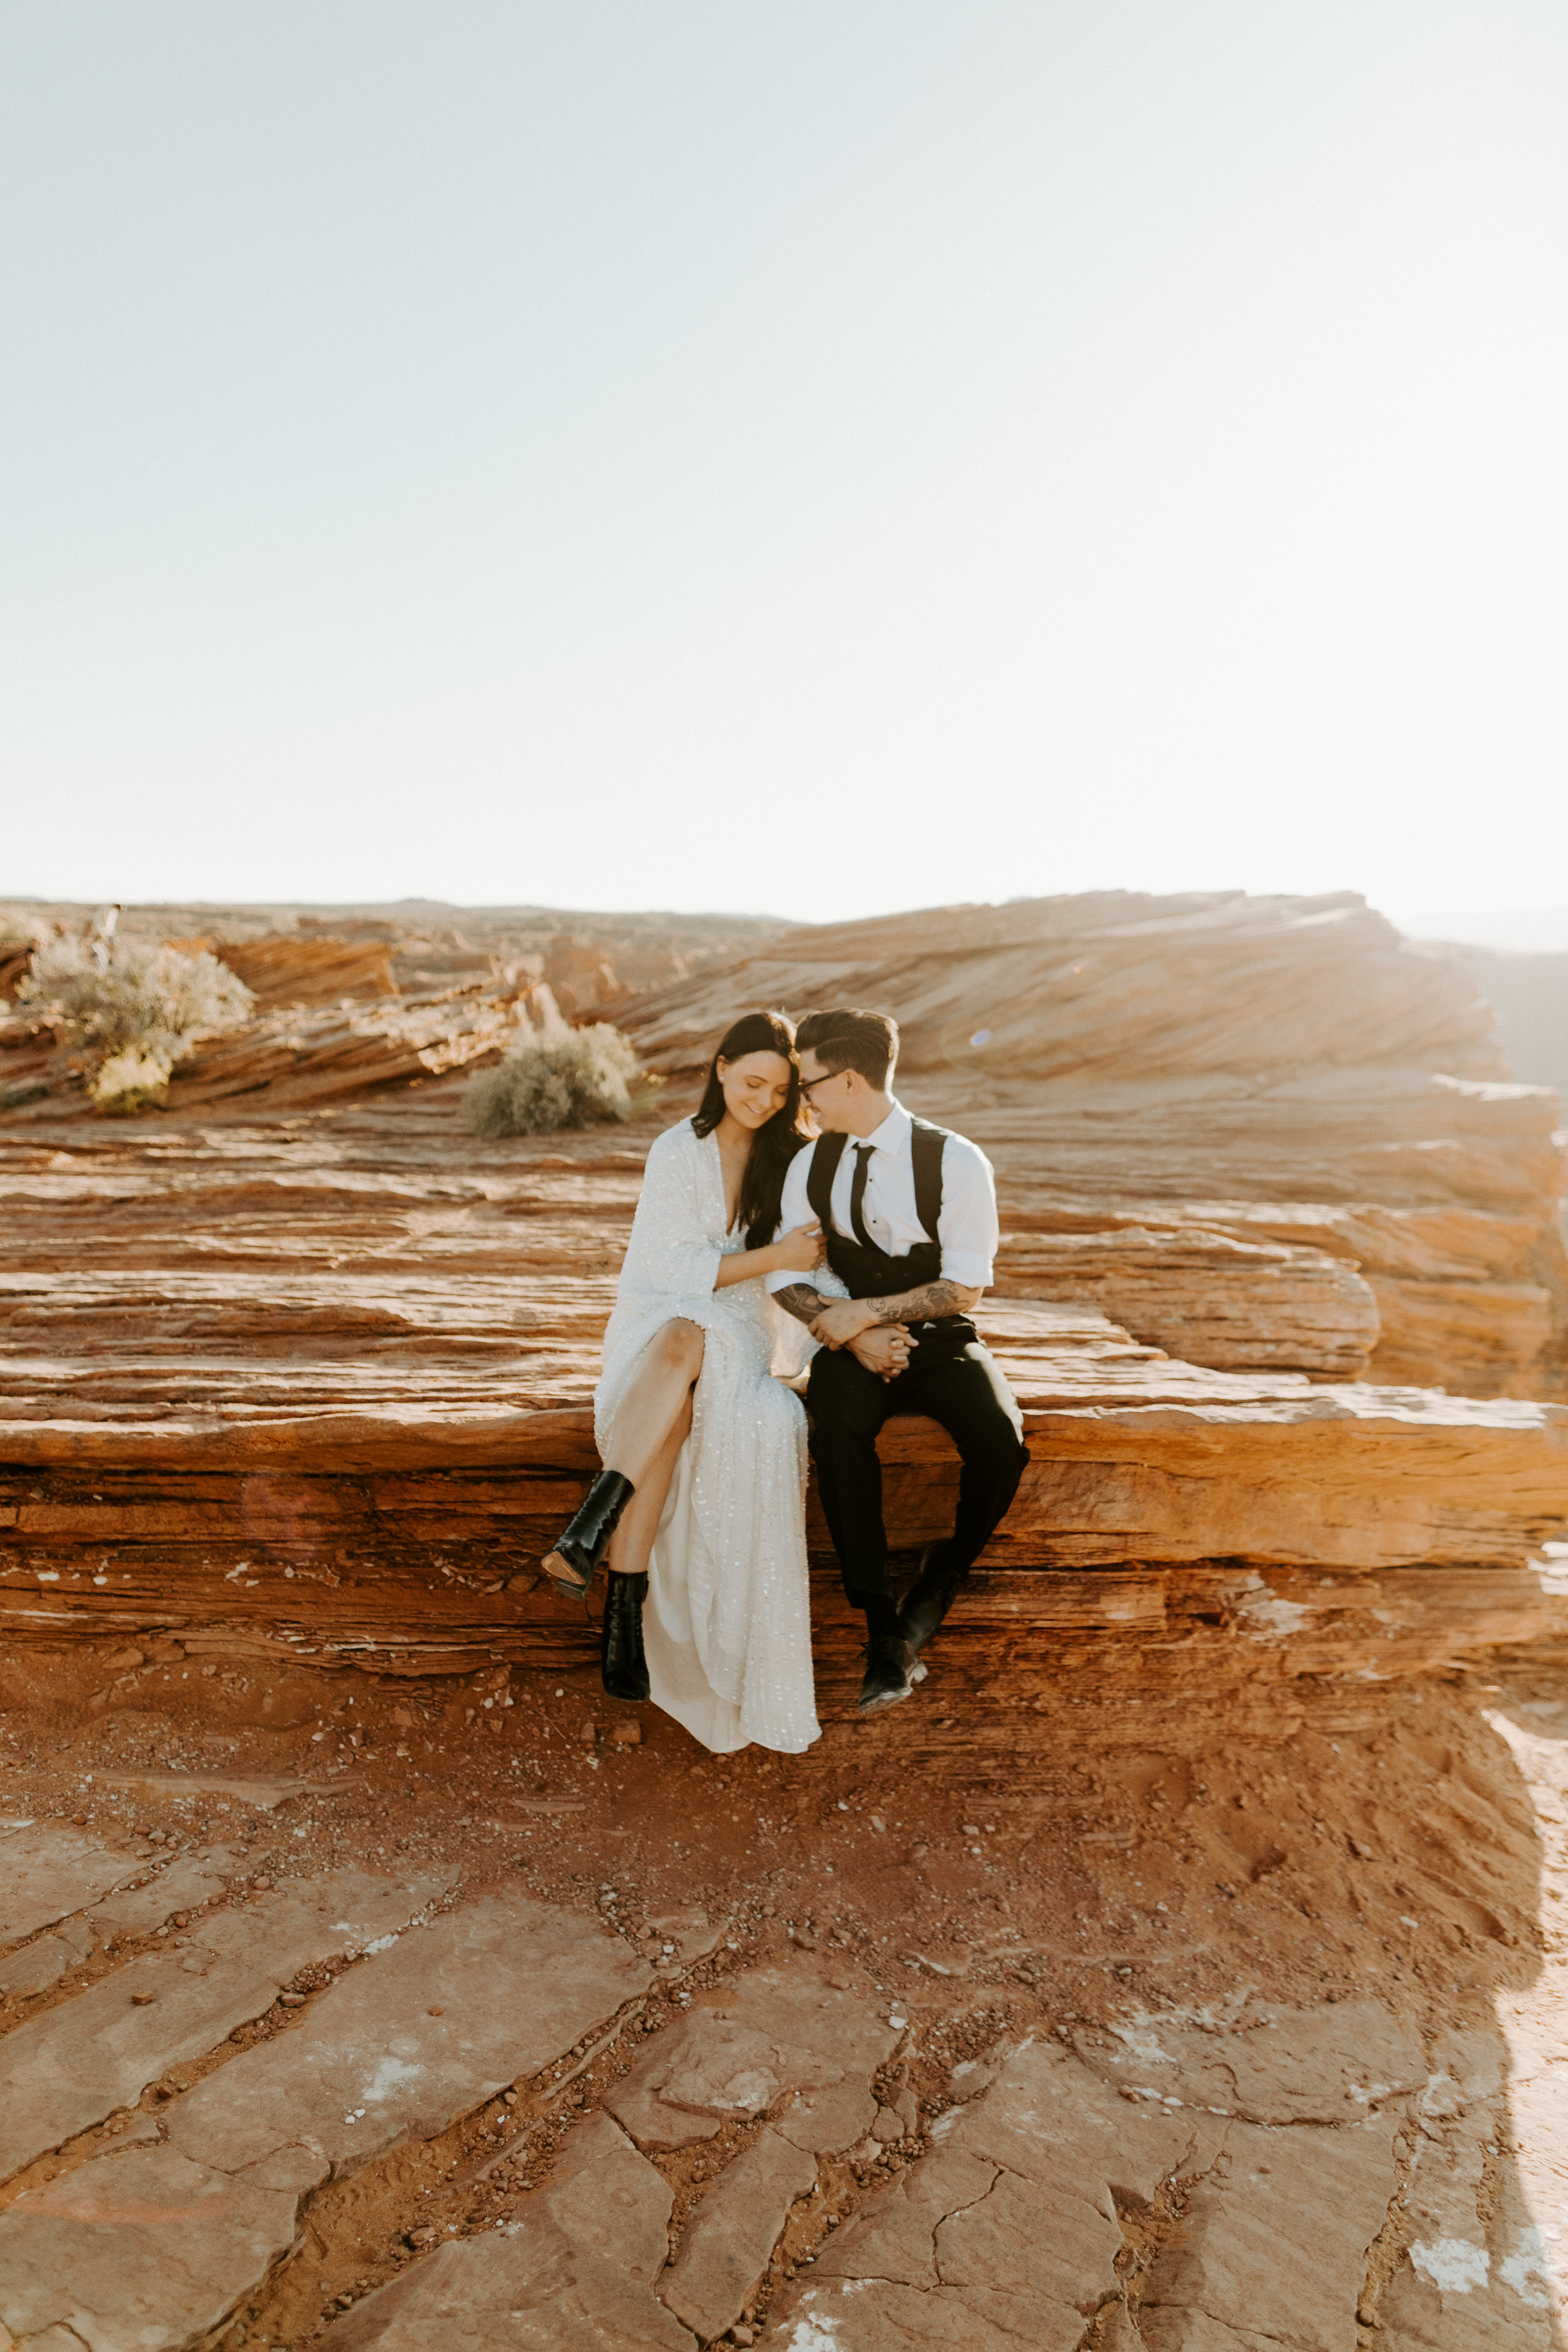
(574, 1563)
(930, 1597)
(622, 1660)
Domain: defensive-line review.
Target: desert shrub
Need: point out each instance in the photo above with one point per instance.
(108, 998)
(16, 940)
(131, 1081)
(582, 1078)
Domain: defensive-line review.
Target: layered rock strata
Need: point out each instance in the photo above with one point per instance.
(1257, 1133)
(321, 1379)
(326, 1391)
(1169, 1085)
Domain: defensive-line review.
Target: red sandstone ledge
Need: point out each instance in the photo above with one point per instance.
(1344, 1478)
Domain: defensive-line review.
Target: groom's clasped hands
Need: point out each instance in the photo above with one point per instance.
(883, 1348)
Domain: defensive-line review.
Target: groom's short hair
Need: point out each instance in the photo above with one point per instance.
(851, 1039)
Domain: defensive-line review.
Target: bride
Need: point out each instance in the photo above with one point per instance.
(699, 1511)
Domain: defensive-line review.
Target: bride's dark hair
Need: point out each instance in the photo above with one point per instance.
(773, 1146)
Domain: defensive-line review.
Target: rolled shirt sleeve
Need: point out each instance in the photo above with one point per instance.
(967, 1228)
(795, 1209)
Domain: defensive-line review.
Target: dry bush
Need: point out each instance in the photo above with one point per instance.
(580, 1079)
(105, 998)
(131, 1082)
(16, 942)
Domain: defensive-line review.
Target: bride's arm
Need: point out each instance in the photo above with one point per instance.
(797, 1246)
(670, 1250)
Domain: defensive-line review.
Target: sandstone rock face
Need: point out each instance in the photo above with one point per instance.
(152, 2246)
(265, 1368)
(1273, 2246)
(69, 2069)
(1126, 984)
(310, 971)
(374, 1001)
(1016, 2227)
(1164, 1069)
(183, 1886)
(606, 2199)
(1009, 2233)
(794, 2050)
(1183, 2180)
(727, 2247)
(1290, 2066)
(267, 1379)
(47, 1870)
(397, 2051)
(141, 2248)
(1207, 1296)
(534, 2292)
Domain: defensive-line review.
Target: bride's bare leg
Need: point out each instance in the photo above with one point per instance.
(659, 1395)
(631, 1546)
(657, 1398)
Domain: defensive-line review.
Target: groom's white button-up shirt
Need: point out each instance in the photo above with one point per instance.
(966, 1229)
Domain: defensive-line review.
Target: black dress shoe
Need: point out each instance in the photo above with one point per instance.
(622, 1658)
(574, 1563)
(930, 1597)
(890, 1663)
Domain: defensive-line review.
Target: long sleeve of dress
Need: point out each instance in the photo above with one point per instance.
(672, 1252)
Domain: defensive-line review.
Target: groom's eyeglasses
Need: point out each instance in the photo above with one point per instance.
(808, 1085)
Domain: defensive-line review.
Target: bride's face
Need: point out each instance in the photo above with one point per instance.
(756, 1085)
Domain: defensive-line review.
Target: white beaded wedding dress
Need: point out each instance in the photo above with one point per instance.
(727, 1624)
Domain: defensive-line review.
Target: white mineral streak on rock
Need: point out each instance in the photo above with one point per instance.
(1535, 2267)
(155, 2246)
(1322, 2065)
(1452, 2264)
(67, 2070)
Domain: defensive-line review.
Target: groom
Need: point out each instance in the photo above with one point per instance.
(909, 1214)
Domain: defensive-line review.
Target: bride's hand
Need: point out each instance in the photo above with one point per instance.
(801, 1250)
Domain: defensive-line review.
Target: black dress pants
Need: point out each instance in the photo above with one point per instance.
(954, 1377)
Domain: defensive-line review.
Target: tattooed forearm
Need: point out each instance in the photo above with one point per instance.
(936, 1299)
(801, 1301)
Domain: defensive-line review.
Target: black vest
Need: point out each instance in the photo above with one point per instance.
(873, 1273)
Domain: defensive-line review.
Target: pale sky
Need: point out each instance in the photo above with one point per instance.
(814, 459)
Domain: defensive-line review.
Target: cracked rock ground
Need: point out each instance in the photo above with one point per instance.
(1229, 2035)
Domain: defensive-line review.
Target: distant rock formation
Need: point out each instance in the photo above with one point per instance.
(1528, 993)
(1262, 1134)
(368, 999)
(1256, 1133)
(294, 970)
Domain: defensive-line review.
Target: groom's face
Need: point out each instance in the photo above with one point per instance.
(829, 1093)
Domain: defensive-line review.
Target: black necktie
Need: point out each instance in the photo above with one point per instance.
(857, 1193)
